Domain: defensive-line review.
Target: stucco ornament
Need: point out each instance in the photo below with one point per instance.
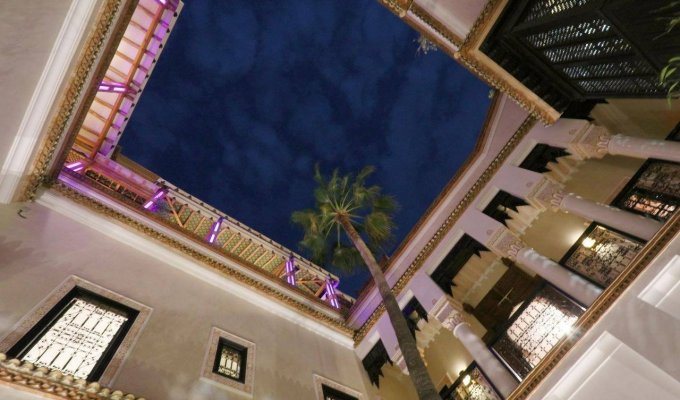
(546, 194)
(505, 243)
(590, 142)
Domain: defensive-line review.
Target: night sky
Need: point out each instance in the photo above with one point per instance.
(248, 95)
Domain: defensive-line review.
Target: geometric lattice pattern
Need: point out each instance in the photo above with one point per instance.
(478, 388)
(546, 8)
(76, 341)
(541, 324)
(607, 255)
(230, 359)
(655, 191)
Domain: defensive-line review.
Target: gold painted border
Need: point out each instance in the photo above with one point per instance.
(593, 314)
(486, 69)
(471, 57)
(80, 90)
(222, 268)
(453, 217)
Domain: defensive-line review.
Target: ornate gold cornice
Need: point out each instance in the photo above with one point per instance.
(401, 8)
(453, 217)
(208, 261)
(398, 7)
(74, 95)
(26, 377)
(434, 24)
(486, 69)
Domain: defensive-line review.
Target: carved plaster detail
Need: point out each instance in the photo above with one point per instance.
(80, 88)
(398, 7)
(454, 319)
(24, 376)
(546, 194)
(590, 142)
(505, 243)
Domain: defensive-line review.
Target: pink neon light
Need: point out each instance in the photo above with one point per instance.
(214, 229)
(76, 166)
(331, 295)
(115, 87)
(159, 194)
(290, 270)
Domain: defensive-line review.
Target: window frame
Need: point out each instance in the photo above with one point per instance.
(217, 339)
(33, 325)
(243, 358)
(321, 381)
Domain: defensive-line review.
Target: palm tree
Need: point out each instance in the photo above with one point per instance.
(347, 204)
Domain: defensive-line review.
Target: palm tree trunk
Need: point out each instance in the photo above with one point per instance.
(407, 343)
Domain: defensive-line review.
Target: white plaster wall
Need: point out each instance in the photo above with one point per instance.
(38, 253)
(28, 30)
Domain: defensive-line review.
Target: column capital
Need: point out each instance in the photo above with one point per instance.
(505, 243)
(454, 319)
(592, 141)
(546, 194)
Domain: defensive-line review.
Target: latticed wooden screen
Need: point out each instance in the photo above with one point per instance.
(654, 191)
(574, 50)
(608, 253)
(545, 320)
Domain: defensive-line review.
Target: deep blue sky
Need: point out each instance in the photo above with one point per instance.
(248, 95)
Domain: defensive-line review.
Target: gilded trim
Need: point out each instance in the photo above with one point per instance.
(52, 384)
(486, 69)
(73, 96)
(599, 307)
(457, 212)
(427, 18)
(222, 268)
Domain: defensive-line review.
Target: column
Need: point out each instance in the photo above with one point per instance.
(595, 142)
(504, 243)
(549, 194)
(452, 319)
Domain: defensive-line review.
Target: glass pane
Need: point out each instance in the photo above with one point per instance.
(606, 255)
(537, 330)
(76, 341)
(230, 363)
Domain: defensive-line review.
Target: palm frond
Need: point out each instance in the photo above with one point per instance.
(347, 196)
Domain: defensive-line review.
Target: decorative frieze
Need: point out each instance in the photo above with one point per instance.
(24, 376)
(590, 142)
(602, 255)
(546, 194)
(454, 319)
(505, 243)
